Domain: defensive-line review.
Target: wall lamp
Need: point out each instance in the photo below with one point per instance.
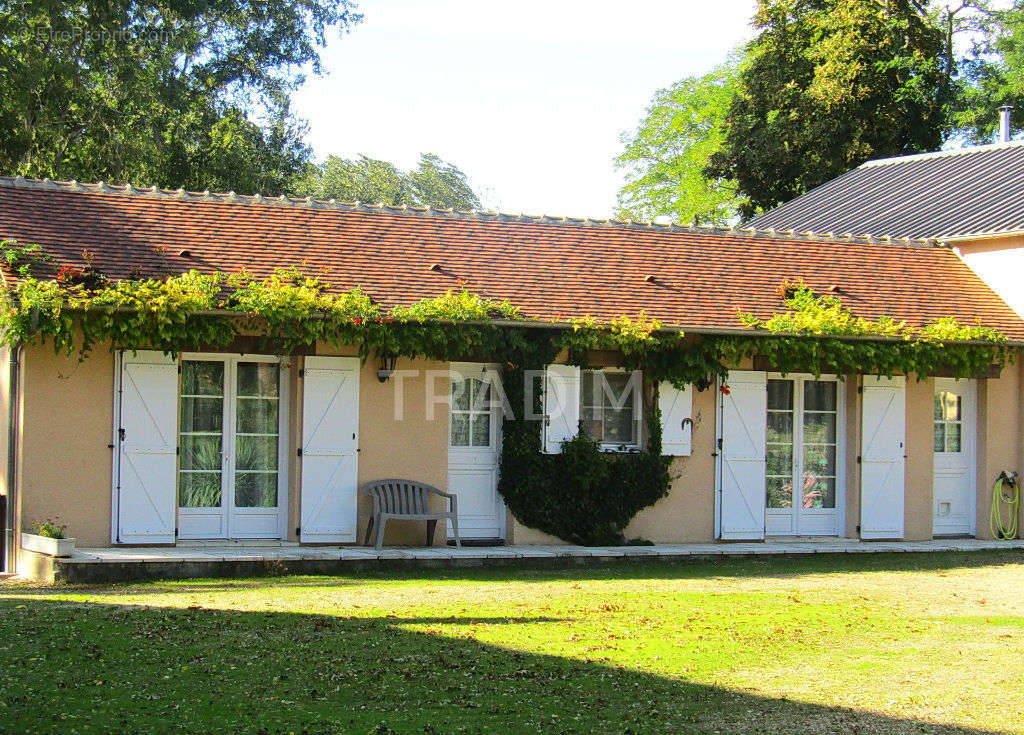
(387, 366)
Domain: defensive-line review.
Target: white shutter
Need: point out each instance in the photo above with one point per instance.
(561, 406)
(330, 426)
(147, 463)
(676, 419)
(882, 469)
(742, 452)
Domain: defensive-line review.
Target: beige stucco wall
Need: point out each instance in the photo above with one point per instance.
(920, 398)
(999, 261)
(1000, 440)
(64, 453)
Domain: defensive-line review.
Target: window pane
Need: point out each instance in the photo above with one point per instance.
(588, 395)
(819, 492)
(819, 428)
(780, 492)
(618, 426)
(481, 393)
(940, 436)
(938, 406)
(780, 427)
(617, 390)
(257, 379)
(952, 437)
(199, 490)
(780, 460)
(256, 453)
(200, 453)
(257, 416)
(820, 395)
(949, 404)
(202, 414)
(591, 423)
(481, 430)
(820, 460)
(780, 394)
(201, 377)
(460, 394)
(256, 489)
(460, 430)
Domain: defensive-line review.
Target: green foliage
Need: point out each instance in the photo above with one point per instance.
(826, 85)
(192, 94)
(665, 157)
(433, 183)
(50, 528)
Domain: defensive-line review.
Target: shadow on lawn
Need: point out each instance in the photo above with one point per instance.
(96, 666)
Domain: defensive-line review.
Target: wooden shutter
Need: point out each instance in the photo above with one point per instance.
(147, 466)
(561, 406)
(676, 419)
(330, 426)
(884, 417)
(742, 456)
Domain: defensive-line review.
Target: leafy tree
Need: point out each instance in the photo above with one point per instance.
(665, 157)
(433, 183)
(169, 92)
(993, 71)
(828, 84)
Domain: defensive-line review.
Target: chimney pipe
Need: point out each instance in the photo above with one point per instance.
(1004, 123)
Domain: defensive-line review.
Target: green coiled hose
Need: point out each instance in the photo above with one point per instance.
(1005, 506)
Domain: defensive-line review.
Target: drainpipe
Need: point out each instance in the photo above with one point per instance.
(13, 417)
(1004, 123)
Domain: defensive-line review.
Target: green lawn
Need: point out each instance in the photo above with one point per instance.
(855, 644)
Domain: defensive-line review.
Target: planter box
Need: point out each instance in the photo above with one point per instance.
(47, 545)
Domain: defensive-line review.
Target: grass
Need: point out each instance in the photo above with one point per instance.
(858, 644)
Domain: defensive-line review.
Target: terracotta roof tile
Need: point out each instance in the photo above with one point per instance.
(550, 267)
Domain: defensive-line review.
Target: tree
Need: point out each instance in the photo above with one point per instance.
(665, 157)
(993, 72)
(166, 92)
(826, 85)
(433, 183)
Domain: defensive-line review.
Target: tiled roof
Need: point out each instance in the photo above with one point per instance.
(696, 279)
(947, 195)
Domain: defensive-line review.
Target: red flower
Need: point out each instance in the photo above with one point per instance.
(726, 390)
(357, 320)
(388, 320)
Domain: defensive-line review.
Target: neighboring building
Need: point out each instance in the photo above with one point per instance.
(970, 199)
(96, 442)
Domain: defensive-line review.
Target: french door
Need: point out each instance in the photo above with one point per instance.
(804, 469)
(955, 468)
(474, 441)
(232, 446)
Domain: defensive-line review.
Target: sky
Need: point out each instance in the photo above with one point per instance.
(529, 98)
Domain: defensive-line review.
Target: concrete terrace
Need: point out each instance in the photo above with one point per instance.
(239, 559)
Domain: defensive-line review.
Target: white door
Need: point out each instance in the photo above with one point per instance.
(144, 478)
(232, 478)
(330, 441)
(955, 469)
(883, 434)
(805, 420)
(474, 451)
(741, 456)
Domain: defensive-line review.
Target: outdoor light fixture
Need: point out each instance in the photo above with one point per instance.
(387, 366)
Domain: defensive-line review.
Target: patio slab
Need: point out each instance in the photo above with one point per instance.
(238, 559)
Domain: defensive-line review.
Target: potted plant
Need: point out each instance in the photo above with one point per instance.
(48, 538)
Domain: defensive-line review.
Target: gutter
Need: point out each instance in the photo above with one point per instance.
(981, 236)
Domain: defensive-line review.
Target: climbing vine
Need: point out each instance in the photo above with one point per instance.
(582, 495)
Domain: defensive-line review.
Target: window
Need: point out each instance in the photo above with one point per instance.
(471, 413)
(801, 443)
(610, 407)
(948, 422)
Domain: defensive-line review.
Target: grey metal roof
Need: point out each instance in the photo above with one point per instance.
(947, 195)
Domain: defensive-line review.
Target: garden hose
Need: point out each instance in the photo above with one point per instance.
(1005, 502)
